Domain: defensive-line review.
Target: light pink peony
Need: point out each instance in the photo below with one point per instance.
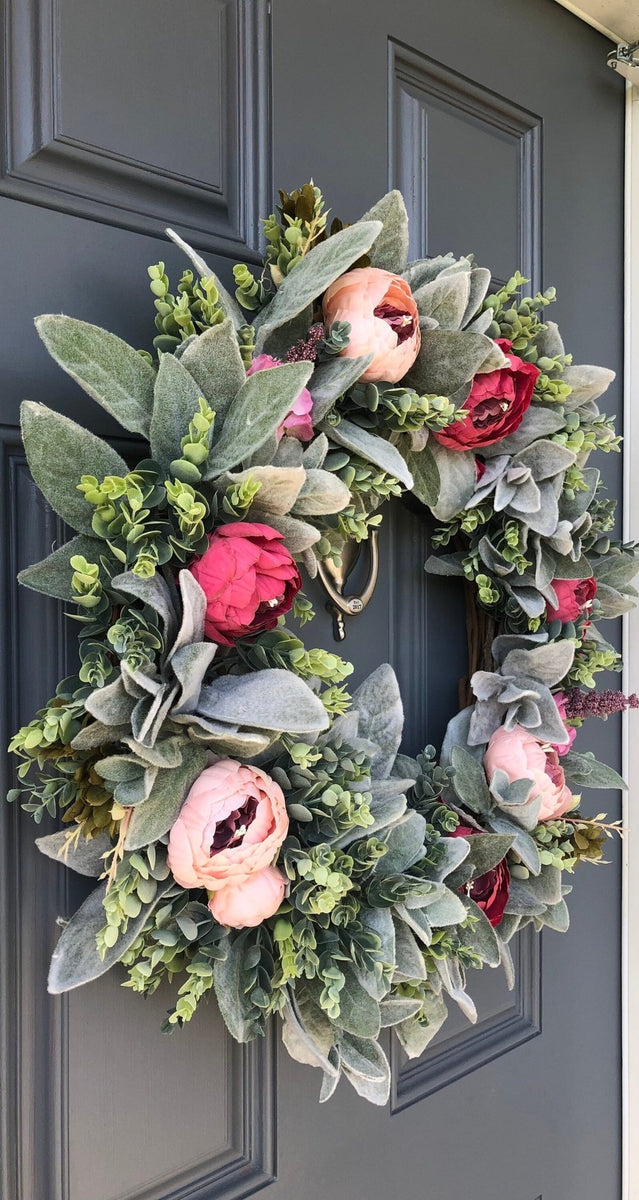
(298, 423)
(560, 701)
(249, 903)
(383, 317)
(521, 756)
(226, 839)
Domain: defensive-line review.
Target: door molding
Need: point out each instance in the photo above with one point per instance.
(630, 845)
(45, 163)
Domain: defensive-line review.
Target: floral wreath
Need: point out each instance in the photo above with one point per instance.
(252, 828)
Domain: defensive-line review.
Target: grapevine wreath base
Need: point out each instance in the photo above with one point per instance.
(252, 829)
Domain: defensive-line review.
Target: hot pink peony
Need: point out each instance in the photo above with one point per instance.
(574, 596)
(383, 317)
(560, 701)
(521, 756)
(226, 839)
(249, 579)
(298, 423)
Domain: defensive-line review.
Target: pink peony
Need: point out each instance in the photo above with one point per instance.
(249, 903)
(226, 838)
(521, 756)
(574, 596)
(298, 423)
(560, 701)
(496, 404)
(383, 317)
(249, 579)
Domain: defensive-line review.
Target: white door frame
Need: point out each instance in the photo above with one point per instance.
(630, 677)
(630, 896)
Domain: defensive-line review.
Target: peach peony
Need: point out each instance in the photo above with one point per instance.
(226, 839)
(383, 317)
(521, 756)
(251, 902)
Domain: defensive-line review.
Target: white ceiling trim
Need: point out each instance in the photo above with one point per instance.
(616, 19)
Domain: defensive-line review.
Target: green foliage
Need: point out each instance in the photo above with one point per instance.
(397, 410)
(300, 224)
(195, 308)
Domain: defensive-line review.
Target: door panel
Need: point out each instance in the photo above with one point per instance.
(121, 120)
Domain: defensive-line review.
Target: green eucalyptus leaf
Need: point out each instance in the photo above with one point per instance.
(108, 369)
(59, 452)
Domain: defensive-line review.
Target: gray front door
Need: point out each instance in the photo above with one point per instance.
(503, 128)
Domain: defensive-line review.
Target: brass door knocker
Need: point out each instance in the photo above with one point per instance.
(334, 579)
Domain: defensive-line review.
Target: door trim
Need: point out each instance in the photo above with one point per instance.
(630, 845)
(630, 677)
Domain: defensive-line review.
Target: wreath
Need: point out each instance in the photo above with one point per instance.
(252, 828)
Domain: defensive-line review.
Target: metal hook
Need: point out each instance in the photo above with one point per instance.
(334, 579)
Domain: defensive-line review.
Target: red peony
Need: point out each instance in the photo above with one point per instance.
(249, 579)
(489, 891)
(496, 404)
(574, 596)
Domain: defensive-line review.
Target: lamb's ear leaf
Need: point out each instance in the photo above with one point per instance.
(585, 771)
(52, 575)
(322, 492)
(426, 482)
(84, 855)
(75, 959)
(447, 359)
(227, 302)
(59, 453)
(259, 407)
(381, 717)
(215, 362)
(108, 369)
(152, 819)
(233, 1002)
(390, 248)
(176, 400)
(271, 699)
(371, 447)
(313, 274)
(457, 479)
(480, 935)
(331, 379)
(415, 1036)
